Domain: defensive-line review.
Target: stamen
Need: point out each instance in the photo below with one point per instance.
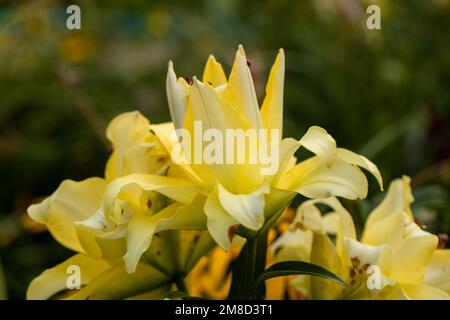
(355, 262)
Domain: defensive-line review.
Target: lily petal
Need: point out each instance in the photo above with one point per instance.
(72, 201)
(324, 254)
(213, 73)
(272, 107)
(54, 280)
(398, 198)
(360, 161)
(207, 107)
(248, 209)
(174, 217)
(364, 253)
(124, 131)
(345, 226)
(240, 92)
(114, 283)
(180, 190)
(387, 231)
(165, 132)
(313, 179)
(288, 147)
(140, 234)
(410, 261)
(308, 216)
(318, 141)
(437, 273)
(293, 245)
(220, 223)
(213, 114)
(177, 96)
(419, 292)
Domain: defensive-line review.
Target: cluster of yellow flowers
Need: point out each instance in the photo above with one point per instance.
(408, 263)
(151, 221)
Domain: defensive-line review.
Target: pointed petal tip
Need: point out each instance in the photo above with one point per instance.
(240, 50)
(196, 81)
(129, 267)
(280, 54)
(170, 68)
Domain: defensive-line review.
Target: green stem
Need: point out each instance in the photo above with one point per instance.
(260, 264)
(181, 284)
(252, 244)
(248, 267)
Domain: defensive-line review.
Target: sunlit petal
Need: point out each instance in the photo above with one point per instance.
(313, 179)
(177, 96)
(142, 228)
(398, 198)
(54, 280)
(213, 73)
(220, 223)
(437, 273)
(248, 209)
(272, 107)
(240, 91)
(360, 161)
(73, 201)
(410, 261)
(114, 283)
(318, 141)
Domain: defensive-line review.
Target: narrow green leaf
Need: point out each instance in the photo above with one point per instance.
(287, 268)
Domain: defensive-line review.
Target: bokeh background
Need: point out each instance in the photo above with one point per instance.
(384, 93)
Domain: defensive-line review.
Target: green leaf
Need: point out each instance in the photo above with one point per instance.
(287, 268)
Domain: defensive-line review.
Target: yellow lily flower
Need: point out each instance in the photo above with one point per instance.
(242, 193)
(119, 216)
(395, 258)
(148, 194)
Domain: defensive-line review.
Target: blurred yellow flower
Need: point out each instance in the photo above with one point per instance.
(211, 277)
(159, 22)
(76, 48)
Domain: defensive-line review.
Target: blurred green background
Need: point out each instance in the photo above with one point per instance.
(384, 93)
